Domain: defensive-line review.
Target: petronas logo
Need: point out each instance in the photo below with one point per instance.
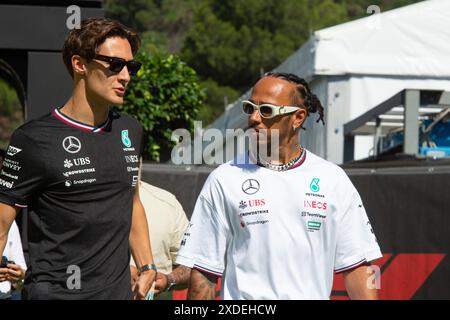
(314, 185)
(126, 139)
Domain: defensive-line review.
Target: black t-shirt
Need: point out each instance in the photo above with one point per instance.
(78, 183)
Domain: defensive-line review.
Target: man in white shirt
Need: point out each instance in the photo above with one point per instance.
(279, 229)
(13, 274)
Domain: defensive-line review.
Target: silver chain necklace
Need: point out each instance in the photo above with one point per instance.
(284, 166)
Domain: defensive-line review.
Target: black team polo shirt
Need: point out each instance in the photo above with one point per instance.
(78, 183)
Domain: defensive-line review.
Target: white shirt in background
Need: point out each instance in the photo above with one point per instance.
(14, 252)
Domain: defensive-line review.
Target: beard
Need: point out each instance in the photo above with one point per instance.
(264, 146)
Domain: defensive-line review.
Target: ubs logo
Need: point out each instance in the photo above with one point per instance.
(257, 203)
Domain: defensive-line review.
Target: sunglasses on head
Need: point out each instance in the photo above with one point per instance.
(266, 110)
(116, 64)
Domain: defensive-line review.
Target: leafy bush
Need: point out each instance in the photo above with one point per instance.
(164, 96)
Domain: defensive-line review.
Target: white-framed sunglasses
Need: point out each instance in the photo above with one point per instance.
(266, 110)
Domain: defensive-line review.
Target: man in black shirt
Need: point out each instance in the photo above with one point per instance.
(77, 171)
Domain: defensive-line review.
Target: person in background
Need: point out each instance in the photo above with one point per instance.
(167, 224)
(13, 266)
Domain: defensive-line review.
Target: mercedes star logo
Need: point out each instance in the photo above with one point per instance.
(250, 186)
(71, 144)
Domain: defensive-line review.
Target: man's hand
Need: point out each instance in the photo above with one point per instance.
(12, 273)
(15, 273)
(143, 284)
(162, 281)
(134, 275)
(179, 276)
(202, 286)
(3, 274)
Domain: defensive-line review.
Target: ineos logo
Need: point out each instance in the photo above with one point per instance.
(71, 144)
(250, 186)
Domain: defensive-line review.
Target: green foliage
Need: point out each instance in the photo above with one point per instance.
(168, 18)
(164, 96)
(230, 43)
(11, 114)
(9, 102)
(234, 41)
(216, 99)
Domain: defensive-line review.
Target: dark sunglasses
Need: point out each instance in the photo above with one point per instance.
(116, 64)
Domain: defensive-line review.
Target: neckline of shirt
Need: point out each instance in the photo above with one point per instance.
(298, 163)
(79, 125)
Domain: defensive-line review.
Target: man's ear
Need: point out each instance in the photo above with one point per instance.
(78, 65)
(299, 118)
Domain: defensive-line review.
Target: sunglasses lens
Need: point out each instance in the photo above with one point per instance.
(117, 65)
(248, 108)
(133, 67)
(266, 111)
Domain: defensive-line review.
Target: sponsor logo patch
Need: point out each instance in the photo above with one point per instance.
(131, 159)
(12, 151)
(314, 185)
(68, 164)
(125, 138)
(6, 184)
(6, 174)
(313, 225)
(69, 183)
(71, 144)
(81, 171)
(315, 204)
(14, 165)
(250, 186)
(135, 180)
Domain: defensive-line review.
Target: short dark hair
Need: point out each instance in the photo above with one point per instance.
(311, 102)
(92, 33)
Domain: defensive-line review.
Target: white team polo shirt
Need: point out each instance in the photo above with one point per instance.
(278, 235)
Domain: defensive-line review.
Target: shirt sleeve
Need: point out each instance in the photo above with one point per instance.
(204, 244)
(356, 241)
(22, 172)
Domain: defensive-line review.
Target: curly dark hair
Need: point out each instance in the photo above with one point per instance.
(86, 41)
(310, 100)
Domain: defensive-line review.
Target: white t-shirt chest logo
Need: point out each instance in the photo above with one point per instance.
(250, 186)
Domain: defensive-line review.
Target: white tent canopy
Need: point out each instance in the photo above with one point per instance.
(409, 41)
(354, 66)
